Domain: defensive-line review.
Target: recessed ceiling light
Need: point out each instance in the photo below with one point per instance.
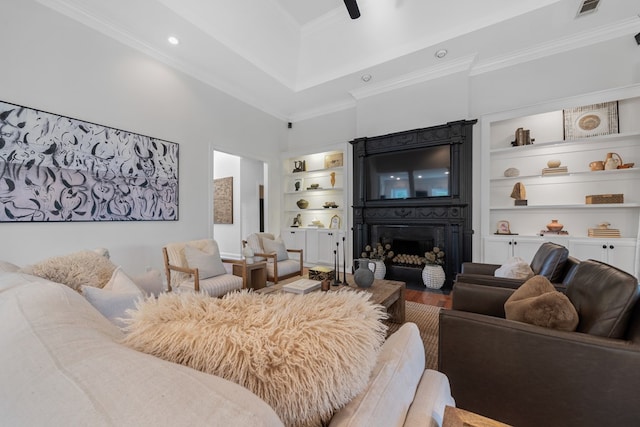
(366, 77)
(173, 40)
(441, 53)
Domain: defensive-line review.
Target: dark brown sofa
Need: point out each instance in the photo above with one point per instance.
(528, 375)
(551, 261)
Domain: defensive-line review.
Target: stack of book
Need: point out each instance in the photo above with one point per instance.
(604, 232)
(560, 170)
(302, 286)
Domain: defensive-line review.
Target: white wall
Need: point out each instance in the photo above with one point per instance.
(55, 64)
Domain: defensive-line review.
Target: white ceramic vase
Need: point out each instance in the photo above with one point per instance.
(433, 276)
(380, 269)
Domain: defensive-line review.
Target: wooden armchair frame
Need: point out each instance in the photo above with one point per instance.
(194, 271)
(275, 263)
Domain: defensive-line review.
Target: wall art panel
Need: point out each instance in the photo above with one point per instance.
(56, 168)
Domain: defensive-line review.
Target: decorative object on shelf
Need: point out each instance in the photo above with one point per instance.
(554, 168)
(554, 225)
(519, 193)
(503, 227)
(591, 120)
(330, 205)
(597, 199)
(511, 172)
(314, 187)
(364, 275)
(299, 165)
(316, 223)
(296, 184)
(333, 160)
(333, 179)
(626, 166)
(335, 222)
(597, 165)
(523, 137)
(297, 221)
(603, 231)
(302, 203)
(247, 252)
(612, 161)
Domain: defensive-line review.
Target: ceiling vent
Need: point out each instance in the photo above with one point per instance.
(588, 6)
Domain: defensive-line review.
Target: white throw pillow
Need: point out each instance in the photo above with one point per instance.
(8, 267)
(118, 295)
(208, 264)
(277, 247)
(150, 282)
(514, 268)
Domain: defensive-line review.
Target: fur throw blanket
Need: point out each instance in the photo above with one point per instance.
(305, 355)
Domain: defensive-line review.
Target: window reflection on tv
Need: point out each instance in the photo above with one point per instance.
(422, 172)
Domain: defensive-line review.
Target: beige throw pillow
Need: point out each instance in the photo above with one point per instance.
(208, 264)
(277, 247)
(75, 270)
(515, 268)
(537, 302)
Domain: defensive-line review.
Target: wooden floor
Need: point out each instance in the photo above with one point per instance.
(429, 298)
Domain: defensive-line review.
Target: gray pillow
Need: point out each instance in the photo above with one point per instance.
(277, 247)
(208, 265)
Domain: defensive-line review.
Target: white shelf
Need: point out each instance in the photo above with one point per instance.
(595, 175)
(571, 144)
(583, 206)
(318, 191)
(315, 172)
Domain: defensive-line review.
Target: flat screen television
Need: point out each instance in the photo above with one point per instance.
(417, 173)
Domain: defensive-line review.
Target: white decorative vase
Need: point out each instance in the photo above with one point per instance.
(433, 276)
(380, 269)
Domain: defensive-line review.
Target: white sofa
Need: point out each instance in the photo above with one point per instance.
(62, 364)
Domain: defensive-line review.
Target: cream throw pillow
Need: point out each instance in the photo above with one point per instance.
(75, 270)
(150, 282)
(208, 264)
(275, 247)
(118, 295)
(514, 268)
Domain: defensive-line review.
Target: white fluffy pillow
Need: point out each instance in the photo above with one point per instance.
(277, 247)
(75, 270)
(118, 295)
(208, 264)
(514, 268)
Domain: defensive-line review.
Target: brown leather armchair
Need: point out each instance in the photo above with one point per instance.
(551, 261)
(527, 375)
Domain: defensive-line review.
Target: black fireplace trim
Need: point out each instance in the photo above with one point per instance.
(453, 211)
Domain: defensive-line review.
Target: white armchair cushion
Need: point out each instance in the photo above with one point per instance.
(286, 267)
(214, 286)
(254, 241)
(208, 264)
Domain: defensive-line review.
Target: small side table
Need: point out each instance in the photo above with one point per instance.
(255, 274)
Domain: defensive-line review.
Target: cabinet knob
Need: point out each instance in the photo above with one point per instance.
(604, 246)
(611, 246)
(509, 242)
(515, 243)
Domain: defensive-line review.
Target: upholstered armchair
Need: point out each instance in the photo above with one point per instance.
(550, 260)
(197, 266)
(527, 375)
(279, 266)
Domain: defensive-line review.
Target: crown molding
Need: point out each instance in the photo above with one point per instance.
(420, 76)
(323, 110)
(583, 39)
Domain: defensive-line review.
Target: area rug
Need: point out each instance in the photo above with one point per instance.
(426, 317)
(305, 355)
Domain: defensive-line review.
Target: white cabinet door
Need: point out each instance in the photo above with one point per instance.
(498, 249)
(619, 253)
(294, 239)
(329, 241)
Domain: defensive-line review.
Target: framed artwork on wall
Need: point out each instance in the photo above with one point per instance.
(59, 169)
(591, 120)
(223, 200)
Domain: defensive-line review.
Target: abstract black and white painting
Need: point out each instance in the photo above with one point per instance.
(55, 168)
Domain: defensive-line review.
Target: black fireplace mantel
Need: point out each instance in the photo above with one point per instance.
(450, 215)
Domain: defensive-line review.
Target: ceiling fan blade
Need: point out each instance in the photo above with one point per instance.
(352, 7)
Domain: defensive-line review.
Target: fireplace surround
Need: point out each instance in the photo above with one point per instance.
(412, 189)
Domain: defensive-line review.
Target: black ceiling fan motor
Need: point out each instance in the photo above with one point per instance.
(352, 7)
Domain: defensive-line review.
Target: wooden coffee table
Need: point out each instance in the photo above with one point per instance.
(388, 293)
